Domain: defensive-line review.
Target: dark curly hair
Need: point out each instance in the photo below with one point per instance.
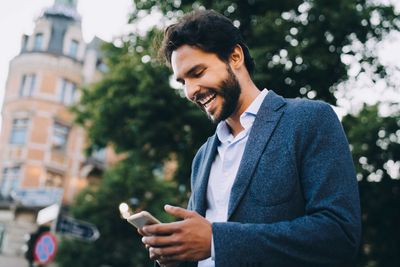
(207, 30)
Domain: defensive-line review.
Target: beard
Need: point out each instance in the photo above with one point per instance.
(229, 90)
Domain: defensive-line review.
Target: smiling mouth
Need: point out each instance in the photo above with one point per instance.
(205, 101)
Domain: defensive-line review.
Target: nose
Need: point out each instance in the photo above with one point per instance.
(191, 89)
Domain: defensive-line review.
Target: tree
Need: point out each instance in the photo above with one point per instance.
(299, 48)
(119, 243)
(298, 45)
(134, 110)
(375, 143)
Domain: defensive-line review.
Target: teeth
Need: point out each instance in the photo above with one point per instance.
(207, 99)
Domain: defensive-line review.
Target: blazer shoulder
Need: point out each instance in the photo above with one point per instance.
(303, 103)
(304, 109)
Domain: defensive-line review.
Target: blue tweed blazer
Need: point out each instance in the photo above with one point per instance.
(295, 199)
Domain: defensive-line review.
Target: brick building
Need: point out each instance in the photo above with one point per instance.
(41, 150)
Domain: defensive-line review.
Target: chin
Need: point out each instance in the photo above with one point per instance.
(213, 119)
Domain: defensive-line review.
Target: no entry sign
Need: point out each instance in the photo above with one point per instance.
(45, 248)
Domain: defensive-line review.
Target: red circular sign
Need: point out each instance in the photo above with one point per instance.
(45, 248)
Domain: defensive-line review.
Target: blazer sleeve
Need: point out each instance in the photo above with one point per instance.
(329, 231)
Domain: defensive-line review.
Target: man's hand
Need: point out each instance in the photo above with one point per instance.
(186, 240)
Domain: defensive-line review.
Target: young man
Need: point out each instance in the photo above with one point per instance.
(275, 185)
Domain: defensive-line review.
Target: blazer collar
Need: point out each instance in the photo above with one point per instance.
(263, 126)
(267, 118)
(199, 193)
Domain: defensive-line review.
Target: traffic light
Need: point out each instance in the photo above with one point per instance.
(31, 243)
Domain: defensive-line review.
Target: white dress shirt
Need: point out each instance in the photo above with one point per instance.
(225, 167)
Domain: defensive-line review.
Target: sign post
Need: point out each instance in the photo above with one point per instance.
(48, 214)
(45, 248)
(76, 228)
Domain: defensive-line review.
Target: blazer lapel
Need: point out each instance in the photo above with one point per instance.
(200, 186)
(262, 129)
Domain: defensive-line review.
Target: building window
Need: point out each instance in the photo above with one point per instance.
(60, 136)
(38, 41)
(54, 179)
(101, 66)
(9, 181)
(24, 43)
(73, 48)
(68, 92)
(19, 131)
(27, 85)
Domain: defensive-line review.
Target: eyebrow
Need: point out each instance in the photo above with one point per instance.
(191, 72)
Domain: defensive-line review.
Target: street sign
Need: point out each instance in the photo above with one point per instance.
(45, 248)
(48, 214)
(76, 228)
(38, 197)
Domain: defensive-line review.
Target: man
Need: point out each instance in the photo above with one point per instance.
(275, 186)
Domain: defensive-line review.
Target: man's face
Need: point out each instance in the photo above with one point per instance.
(208, 81)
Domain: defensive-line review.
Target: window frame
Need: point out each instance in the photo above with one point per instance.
(73, 48)
(68, 92)
(28, 85)
(49, 174)
(60, 132)
(19, 126)
(38, 41)
(11, 179)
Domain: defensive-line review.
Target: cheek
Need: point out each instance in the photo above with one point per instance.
(214, 77)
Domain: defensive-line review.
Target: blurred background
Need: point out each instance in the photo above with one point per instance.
(93, 127)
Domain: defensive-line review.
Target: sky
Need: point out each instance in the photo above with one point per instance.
(107, 20)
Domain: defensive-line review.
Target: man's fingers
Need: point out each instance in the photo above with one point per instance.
(179, 212)
(166, 262)
(166, 253)
(161, 229)
(139, 230)
(160, 241)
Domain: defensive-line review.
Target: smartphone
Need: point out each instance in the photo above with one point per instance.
(141, 219)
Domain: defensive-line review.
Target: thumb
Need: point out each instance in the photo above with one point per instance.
(178, 212)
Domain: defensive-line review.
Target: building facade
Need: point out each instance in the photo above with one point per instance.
(41, 150)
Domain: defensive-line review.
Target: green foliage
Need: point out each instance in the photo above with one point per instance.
(119, 243)
(133, 109)
(298, 45)
(375, 143)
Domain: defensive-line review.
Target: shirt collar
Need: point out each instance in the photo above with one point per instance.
(246, 119)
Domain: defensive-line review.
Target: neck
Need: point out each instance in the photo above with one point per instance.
(247, 96)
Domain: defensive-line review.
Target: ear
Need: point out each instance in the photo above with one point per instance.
(236, 58)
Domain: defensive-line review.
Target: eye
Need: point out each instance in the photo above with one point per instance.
(199, 73)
